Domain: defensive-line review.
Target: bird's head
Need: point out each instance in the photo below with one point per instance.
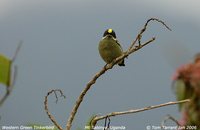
(109, 33)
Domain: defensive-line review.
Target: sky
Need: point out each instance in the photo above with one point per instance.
(60, 51)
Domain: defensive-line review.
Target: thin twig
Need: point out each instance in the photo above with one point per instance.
(169, 117)
(46, 106)
(106, 125)
(139, 36)
(13, 81)
(98, 118)
(17, 50)
(5, 96)
(9, 88)
(106, 68)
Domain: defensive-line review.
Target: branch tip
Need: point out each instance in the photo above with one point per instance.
(46, 105)
(160, 21)
(168, 117)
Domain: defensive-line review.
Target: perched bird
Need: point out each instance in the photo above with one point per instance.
(109, 47)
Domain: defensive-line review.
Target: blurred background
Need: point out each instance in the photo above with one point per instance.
(60, 51)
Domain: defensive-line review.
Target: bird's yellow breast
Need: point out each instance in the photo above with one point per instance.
(109, 50)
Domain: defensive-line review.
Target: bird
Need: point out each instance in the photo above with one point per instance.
(110, 48)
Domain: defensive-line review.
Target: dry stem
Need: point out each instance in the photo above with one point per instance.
(168, 117)
(131, 49)
(46, 106)
(97, 118)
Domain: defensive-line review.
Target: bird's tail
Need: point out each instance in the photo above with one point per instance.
(121, 63)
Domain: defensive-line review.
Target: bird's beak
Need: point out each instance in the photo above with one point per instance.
(108, 36)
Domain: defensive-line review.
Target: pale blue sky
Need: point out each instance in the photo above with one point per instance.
(60, 51)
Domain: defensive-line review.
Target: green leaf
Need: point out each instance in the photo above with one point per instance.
(183, 91)
(5, 70)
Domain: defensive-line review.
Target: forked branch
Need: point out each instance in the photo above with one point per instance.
(46, 105)
(133, 48)
(169, 117)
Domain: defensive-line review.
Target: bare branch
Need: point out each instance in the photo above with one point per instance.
(139, 36)
(97, 118)
(107, 67)
(13, 80)
(10, 87)
(5, 96)
(93, 80)
(46, 106)
(17, 50)
(168, 117)
(107, 125)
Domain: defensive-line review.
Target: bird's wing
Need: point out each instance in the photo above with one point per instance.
(118, 44)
